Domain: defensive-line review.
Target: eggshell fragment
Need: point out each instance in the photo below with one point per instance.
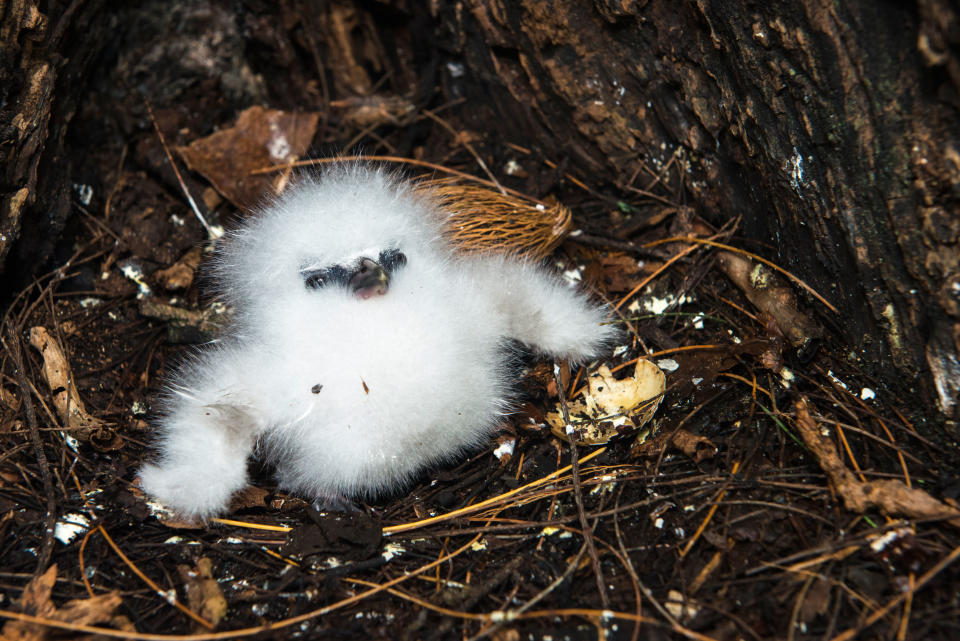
(610, 407)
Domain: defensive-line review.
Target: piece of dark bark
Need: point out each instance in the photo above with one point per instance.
(42, 75)
(831, 128)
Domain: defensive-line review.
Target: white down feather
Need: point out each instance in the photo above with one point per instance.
(351, 397)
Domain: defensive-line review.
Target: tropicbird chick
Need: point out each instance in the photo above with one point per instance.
(364, 348)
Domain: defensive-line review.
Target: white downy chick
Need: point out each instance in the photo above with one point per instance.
(364, 348)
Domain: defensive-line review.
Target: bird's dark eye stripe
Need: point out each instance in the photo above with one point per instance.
(317, 278)
(391, 259)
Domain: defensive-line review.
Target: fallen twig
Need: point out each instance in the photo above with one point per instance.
(43, 558)
(578, 495)
(891, 497)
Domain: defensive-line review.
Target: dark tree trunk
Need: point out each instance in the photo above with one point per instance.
(46, 53)
(831, 128)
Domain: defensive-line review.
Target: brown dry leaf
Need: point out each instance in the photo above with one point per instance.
(610, 407)
(204, 595)
(9, 399)
(248, 497)
(180, 274)
(891, 497)
(57, 374)
(36, 601)
(698, 371)
(36, 596)
(260, 138)
(284, 503)
(699, 448)
(96, 609)
(616, 273)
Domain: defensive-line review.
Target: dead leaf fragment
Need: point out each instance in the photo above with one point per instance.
(36, 596)
(260, 138)
(891, 497)
(180, 274)
(248, 497)
(9, 399)
(57, 374)
(36, 601)
(616, 273)
(611, 407)
(699, 448)
(204, 595)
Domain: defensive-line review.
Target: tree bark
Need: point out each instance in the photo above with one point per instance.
(46, 53)
(830, 127)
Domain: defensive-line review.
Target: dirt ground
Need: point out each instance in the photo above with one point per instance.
(780, 493)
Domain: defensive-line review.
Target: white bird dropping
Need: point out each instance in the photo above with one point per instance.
(364, 348)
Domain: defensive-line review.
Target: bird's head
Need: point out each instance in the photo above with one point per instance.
(354, 230)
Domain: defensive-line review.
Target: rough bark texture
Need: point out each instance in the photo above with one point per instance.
(829, 127)
(27, 80)
(46, 53)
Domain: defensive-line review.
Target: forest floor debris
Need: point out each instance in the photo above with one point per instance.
(724, 524)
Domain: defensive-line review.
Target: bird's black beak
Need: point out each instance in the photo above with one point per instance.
(370, 279)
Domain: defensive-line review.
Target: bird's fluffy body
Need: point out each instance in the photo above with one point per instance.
(347, 395)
